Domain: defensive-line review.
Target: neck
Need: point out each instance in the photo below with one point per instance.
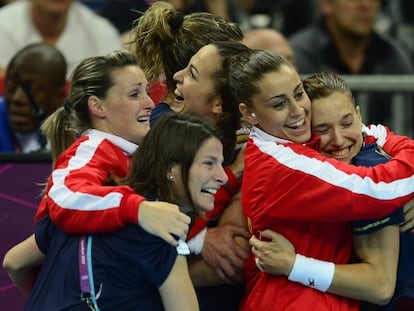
(50, 26)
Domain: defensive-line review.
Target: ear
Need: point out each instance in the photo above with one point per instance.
(248, 114)
(358, 113)
(172, 172)
(217, 106)
(95, 107)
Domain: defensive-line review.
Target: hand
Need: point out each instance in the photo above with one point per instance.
(223, 254)
(163, 220)
(275, 256)
(409, 217)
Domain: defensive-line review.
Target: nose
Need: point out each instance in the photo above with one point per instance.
(149, 103)
(178, 76)
(337, 137)
(296, 108)
(18, 95)
(221, 176)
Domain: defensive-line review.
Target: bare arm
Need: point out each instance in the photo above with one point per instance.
(177, 292)
(378, 253)
(22, 263)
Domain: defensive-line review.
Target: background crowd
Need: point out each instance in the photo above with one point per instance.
(84, 81)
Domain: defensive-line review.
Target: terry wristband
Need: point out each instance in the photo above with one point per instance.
(197, 242)
(312, 272)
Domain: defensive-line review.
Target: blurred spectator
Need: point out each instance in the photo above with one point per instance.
(69, 25)
(287, 16)
(4, 2)
(344, 41)
(34, 88)
(269, 39)
(401, 14)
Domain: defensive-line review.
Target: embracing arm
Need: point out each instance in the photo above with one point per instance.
(22, 263)
(79, 201)
(177, 291)
(378, 253)
(302, 173)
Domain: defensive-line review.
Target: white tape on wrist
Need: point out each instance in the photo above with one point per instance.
(312, 272)
(197, 242)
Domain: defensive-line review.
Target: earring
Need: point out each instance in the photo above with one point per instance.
(253, 115)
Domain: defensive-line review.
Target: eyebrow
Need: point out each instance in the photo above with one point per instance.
(284, 95)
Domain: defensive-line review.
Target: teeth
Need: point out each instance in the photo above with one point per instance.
(297, 124)
(340, 153)
(211, 191)
(143, 119)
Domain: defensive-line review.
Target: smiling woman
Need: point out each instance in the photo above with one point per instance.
(289, 187)
(187, 171)
(93, 137)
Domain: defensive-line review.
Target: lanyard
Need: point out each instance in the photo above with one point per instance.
(85, 272)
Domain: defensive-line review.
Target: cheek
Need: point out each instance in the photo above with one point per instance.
(324, 142)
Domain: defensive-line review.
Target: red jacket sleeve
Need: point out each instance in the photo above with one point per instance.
(294, 182)
(77, 199)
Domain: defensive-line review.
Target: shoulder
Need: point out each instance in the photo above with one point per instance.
(305, 36)
(12, 10)
(392, 53)
(158, 111)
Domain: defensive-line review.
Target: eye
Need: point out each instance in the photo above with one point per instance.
(280, 105)
(191, 74)
(299, 95)
(322, 130)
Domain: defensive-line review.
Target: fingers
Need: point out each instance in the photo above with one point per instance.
(407, 226)
(258, 265)
(229, 273)
(169, 239)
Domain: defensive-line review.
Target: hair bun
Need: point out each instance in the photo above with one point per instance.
(176, 22)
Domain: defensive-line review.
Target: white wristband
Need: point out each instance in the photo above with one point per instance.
(197, 242)
(312, 272)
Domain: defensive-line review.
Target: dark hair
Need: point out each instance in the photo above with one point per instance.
(165, 41)
(246, 70)
(41, 58)
(92, 76)
(324, 84)
(229, 121)
(174, 139)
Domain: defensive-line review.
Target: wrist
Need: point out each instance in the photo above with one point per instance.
(312, 272)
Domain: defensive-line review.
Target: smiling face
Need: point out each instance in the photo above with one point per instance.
(338, 123)
(205, 177)
(195, 85)
(281, 107)
(127, 106)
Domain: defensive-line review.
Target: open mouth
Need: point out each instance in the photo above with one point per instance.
(297, 124)
(209, 191)
(144, 119)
